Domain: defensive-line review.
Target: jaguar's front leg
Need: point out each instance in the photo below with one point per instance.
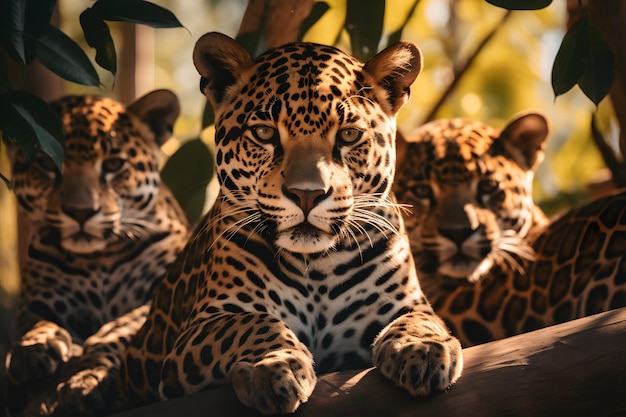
(417, 352)
(90, 390)
(40, 352)
(270, 369)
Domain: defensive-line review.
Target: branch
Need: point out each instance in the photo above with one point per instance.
(616, 165)
(573, 369)
(277, 22)
(460, 70)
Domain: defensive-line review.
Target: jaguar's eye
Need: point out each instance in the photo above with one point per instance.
(422, 191)
(350, 135)
(112, 165)
(264, 133)
(488, 186)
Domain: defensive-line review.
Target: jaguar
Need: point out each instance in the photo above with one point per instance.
(488, 258)
(101, 232)
(302, 266)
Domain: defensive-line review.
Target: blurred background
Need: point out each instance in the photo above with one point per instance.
(511, 73)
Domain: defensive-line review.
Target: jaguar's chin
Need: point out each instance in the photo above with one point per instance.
(306, 239)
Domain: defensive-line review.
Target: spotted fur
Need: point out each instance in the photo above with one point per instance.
(303, 265)
(102, 232)
(487, 257)
(579, 267)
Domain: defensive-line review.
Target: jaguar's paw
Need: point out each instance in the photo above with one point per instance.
(277, 384)
(421, 357)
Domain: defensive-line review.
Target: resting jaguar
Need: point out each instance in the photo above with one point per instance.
(103, 232)
(304, 257)
(487, 257)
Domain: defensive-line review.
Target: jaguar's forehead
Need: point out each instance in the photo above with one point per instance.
(303, 82)
(308, 64)
(452, 150)
(93, 125)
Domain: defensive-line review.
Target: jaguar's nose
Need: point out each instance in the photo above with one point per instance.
(306, 199)
(81, 215)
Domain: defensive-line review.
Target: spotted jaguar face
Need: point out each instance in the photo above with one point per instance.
(470, 187)
(110, 173)
(305, 136)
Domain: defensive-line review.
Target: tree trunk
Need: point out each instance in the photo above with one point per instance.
(278, 21)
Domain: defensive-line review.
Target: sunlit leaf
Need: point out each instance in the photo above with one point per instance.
(364, 23)
(22, 23)
(317, 11)
(188, 173)
(98, 36)
(64, 57)
(569, 63)
(32, 125)
(597, 79)
(396, 35)
(520, 4)
(136, 11)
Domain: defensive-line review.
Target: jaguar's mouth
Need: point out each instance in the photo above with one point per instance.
(83, 243)
(306, 238)
(458, 266)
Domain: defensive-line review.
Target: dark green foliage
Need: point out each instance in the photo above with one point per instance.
(520, 4)
(22, 22)
(364, 24)
(64, 57)
(98, 36)
(318, 10)
(26, 34)
(93, 21)
(396, 36)
(585, 59)
(188, 173)
(32, 125)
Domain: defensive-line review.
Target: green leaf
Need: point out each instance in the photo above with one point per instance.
(98, 36)
(584, 58)
(32, 125)
(364, 23)
(569, 63)
(65, 58)
(520, 4)
(318, 10)
(396, 36)
(22, 23)
(188, 173)
(599, 73)
(136, 11)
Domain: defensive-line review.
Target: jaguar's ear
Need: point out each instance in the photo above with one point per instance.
(159, 111)
(524, 138)
(395, 68)
(220, 61)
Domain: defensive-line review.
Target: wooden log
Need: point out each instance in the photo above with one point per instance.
(574, 369)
